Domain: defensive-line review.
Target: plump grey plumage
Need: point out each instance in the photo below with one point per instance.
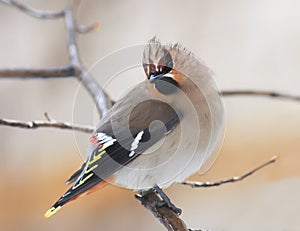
(185, 149)
(182, 128)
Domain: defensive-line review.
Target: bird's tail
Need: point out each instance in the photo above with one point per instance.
(82, 187)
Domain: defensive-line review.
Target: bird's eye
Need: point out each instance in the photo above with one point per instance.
(165, 69)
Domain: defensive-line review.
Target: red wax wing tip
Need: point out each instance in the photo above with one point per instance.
(100, 146)
(93, 139)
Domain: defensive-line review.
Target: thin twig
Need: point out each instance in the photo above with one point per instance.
(47, 72)
(33, 12)
(272, 94)
(86, 29)
(39, 123)
(48, 117)
(164, 214)
(195, 184)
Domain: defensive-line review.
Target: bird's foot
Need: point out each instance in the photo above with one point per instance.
(148, 201)
(158, 204)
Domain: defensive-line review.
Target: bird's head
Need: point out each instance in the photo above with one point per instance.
(159, 66)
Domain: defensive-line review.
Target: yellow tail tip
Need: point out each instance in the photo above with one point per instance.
(51, 211)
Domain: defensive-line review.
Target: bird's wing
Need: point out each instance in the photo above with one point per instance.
(75, 175)
(148, 122)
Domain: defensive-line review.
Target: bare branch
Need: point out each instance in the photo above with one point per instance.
(47, 72)
(272, 94)
(38, 124)
(164, 214)
(91, 85)
(75, 68)
(89, 28)
(195, 184)
(33, 12)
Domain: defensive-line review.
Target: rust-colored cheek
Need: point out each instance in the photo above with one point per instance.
(177, 76)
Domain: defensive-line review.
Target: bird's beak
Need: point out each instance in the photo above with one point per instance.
(153, 78)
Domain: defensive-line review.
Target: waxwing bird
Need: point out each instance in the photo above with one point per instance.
(162, 131)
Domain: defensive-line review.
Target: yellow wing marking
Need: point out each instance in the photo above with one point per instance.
(91, 169)
(96, 157)
(83, 180)
(51, 211)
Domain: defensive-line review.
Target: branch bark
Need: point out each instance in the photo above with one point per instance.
(164, 214)
(30, 73)
(39, 123)
(270, 94)
(33, 12)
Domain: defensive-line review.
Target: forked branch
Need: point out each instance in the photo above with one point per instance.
(74, 69)
(101, 100)
(169, 218)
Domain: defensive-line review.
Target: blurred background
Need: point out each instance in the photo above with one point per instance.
(248, 44)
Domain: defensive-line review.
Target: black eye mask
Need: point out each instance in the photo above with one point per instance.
(166, 85)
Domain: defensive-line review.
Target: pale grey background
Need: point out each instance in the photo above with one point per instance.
(248, 44)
